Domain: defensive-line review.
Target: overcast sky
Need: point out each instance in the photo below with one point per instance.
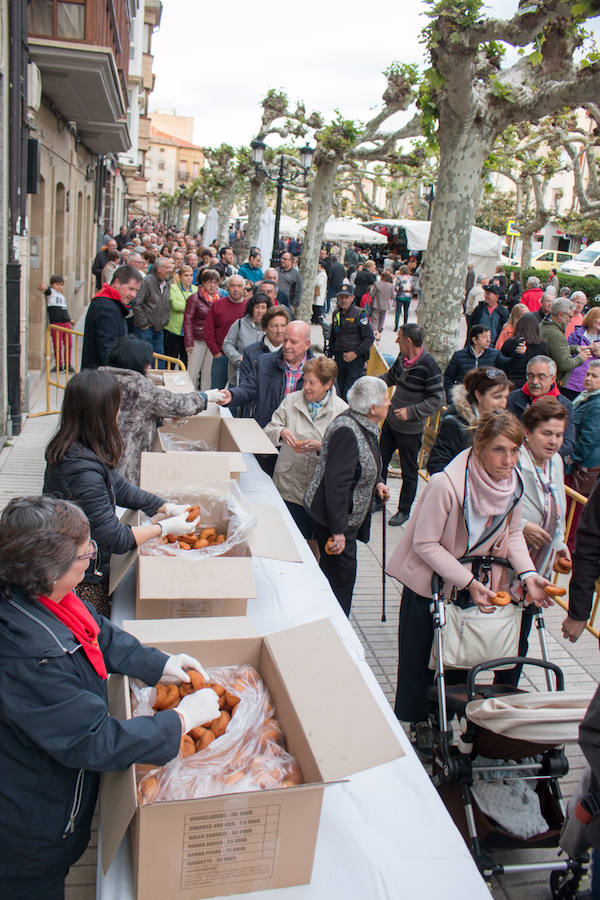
(216, 63)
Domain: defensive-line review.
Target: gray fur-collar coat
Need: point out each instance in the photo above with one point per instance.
(143, 403)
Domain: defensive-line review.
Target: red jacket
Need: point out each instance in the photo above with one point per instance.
(531, 298)
(196, 311)
(221, 316)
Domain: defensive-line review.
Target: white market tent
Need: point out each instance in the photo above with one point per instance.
(485, 247)
(288, 226)
(349, 231)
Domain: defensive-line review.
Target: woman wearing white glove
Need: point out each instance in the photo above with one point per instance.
(56, 732)
(82, 466)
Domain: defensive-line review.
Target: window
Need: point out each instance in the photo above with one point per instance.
(160, 184)
(546, 257)
(161, 164)
(57, 18)
(40, 16)
(70, 20)
(564, 257)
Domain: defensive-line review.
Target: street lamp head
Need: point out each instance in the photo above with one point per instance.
(306, 157)
(257, 152)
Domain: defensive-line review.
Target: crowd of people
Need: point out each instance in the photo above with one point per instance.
(521, 401)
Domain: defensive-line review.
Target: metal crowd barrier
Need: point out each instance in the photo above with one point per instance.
(64, 345)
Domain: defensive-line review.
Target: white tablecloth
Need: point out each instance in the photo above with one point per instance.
(384, 833)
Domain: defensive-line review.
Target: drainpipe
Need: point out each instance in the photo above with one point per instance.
(17, 200)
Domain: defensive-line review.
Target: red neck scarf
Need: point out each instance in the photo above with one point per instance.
(210, 298)
(553, 392)
(112, 294)
(81, 623)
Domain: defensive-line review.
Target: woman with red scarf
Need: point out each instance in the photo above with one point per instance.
(471, 508)
(56, 735)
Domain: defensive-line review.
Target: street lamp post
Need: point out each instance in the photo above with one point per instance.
(281, 176)
(430, 197)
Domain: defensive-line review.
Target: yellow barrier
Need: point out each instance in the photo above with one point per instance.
(64, 344)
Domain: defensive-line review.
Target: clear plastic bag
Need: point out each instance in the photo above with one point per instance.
(178, 442)
(249, 756)
(222, 507)
(172, 440)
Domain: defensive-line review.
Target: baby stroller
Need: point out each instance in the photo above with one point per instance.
(484, 754)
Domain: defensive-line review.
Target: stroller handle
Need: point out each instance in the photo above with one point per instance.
(513, 661)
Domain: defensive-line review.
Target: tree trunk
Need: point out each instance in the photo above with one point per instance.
(224, 210)
(526, 237)
(463, 150)
(320, 210)
(256, 207)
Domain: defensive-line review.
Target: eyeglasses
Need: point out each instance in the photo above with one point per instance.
(92, 552)
(495, 373)
(533, 376)
(249, 289)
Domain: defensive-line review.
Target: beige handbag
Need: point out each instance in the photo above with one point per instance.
(470, 637)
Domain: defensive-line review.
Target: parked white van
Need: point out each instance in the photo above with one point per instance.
(587, 262)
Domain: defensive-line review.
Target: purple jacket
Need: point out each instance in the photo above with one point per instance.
(578, 338)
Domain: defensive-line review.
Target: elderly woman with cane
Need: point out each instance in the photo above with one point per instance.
(469, 510)
(347, 477)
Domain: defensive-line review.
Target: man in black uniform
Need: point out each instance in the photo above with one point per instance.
(350, 339)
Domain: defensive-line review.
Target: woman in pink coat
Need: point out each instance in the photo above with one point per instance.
(472, 507)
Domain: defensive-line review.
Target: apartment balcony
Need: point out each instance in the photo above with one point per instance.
(183, 175)
(82, 51)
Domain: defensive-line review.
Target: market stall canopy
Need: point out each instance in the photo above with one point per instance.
(350, 231)
(211, 227)
(484, 249)
(265, 236)
(288, 226)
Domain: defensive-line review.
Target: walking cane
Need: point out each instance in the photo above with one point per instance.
(383, 530)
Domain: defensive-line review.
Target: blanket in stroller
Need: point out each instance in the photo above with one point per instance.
(545, 717)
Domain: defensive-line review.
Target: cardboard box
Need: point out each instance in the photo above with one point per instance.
(174, 380)
(236, 843)
(173, 587)
(222, 434)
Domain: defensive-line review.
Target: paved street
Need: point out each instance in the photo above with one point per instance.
(21, 472)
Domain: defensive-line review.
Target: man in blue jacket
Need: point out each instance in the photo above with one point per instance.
(275, 375)
(105, 319)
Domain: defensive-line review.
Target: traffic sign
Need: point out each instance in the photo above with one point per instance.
(511, 229)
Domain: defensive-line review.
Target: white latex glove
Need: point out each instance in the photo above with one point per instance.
(214, 395)
(175, 509)
(178, 525)
(176, 665)
(198, 708)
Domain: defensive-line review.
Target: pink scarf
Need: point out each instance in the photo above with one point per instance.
(488, 497)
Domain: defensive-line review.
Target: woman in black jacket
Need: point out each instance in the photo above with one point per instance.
(523, 346)
(515, 290)
(56, 735)
(483, 391)
(82, 460)
(348, 474)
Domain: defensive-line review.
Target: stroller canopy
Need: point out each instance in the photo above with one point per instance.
(547, 717)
